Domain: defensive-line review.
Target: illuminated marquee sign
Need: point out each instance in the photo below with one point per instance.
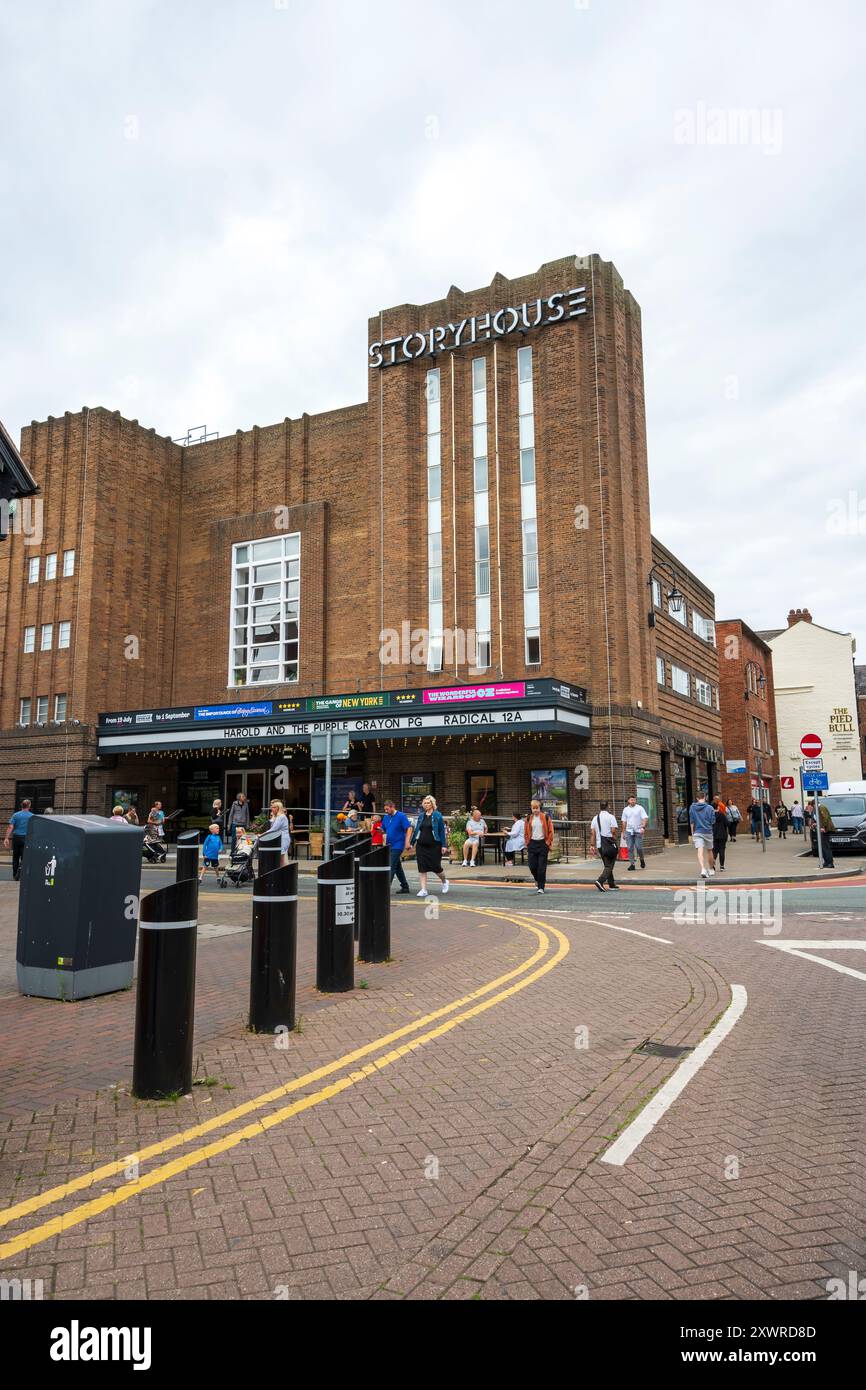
(534, 313)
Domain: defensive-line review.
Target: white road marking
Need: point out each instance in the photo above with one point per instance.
(596, 922)
(623, 1147)
(803, 949)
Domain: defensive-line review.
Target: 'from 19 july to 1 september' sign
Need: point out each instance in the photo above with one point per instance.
(480, 328)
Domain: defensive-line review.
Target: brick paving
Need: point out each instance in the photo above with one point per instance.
(467, 1167)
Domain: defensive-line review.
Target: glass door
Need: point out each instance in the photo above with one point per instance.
(254, 785)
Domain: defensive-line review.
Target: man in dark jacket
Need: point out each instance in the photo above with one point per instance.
(238, 818)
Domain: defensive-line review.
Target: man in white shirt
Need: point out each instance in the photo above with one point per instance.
(634, 819)
(603, 830)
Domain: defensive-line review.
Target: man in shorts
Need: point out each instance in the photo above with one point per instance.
(702, 818)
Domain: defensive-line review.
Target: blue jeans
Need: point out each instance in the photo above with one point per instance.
(634, 840)
(397, 868)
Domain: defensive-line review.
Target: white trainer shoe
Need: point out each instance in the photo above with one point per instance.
(445, 886)
(423, 893)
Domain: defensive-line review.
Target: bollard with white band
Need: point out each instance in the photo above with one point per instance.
(273, 956)
(268, 853)
(186, 864)
(373, 906)
(165, 992)
(335, 926)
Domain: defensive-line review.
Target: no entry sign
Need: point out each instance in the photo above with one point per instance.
(811, 746)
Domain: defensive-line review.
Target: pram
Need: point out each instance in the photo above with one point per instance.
(153, 849)
(239, 869)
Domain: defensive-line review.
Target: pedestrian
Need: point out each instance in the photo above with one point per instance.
(117, 816)
(827, 829)
(156, 818)
(352, 804)
(132, 816)
(702, 821)
(634, 822)
(429, 838)
(238, 818)
(515, 840)
(754, 813)
(368, 800)
(797, 818)
(16, 831)
(210, 851)
(476, 829)
(538, 839)
(603, 843)
(398, 835)
(280, 823)
(767, 816)
(720, 832)
(217, 815)
(377, 835)
(734, 819)
(782, 820)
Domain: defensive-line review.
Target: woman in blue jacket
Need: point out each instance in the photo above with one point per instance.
(429, 838)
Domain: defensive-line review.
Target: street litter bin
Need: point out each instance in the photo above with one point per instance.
(78, 906)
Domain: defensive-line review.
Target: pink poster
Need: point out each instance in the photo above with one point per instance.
(515, 691)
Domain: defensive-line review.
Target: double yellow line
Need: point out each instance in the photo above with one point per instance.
(544, 959)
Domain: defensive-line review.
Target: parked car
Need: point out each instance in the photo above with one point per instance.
(848, 814)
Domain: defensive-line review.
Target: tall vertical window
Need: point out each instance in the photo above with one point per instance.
(41, 709)
(435, 606)
(24, 710)
(51, 566)
(266, 611)
(68, 563)
(482, 513)
(60, 708)
(47, 637)
(528, 522)
(64, 635)
(29, 639)
(33, 570)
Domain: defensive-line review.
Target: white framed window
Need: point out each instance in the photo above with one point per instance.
(24, 707)
(68, 563)
(46, 637)
(435, 597)
(660, 670)
(51, 566)
(703, 627)
(41, 709)
(657, 594)
(756, 732)
(33, 570)
(482, 651)
(30, 639)
(59, 708)
(64, 635)
(703, 692)
(681, 680)
(434, 653)
(533, 648)
(264, 642)
(481, 503)
(528, 507)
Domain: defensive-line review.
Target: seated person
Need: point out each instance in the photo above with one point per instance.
(476, 829)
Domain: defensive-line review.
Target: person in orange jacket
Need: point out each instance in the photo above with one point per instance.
(538, 838)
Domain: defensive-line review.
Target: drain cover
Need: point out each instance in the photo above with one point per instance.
(654, 1049)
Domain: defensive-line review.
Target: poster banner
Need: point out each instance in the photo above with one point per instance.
(413, 789)
(550, 787)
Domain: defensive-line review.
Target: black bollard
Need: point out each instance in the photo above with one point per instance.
(186, 865)
(373, 905)
(335, 923)
(268, 853)
(362, 847)
(274, 950)
(165, 994)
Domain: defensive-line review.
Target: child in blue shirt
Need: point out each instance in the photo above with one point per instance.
(211, 852)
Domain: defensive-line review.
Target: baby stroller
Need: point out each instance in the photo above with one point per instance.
(239, 870)
(153, 849)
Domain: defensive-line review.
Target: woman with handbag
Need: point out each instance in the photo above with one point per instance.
(429, 838)
(604, 831)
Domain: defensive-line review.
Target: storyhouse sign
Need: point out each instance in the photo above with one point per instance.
(480, 328)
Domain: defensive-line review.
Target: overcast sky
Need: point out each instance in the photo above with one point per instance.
(202, 202)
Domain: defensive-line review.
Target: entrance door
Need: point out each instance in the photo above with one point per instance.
(254, 785)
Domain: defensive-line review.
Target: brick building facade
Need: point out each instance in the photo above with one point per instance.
(491, 493)
(748, 700)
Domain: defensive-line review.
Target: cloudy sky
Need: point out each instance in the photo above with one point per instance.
(202, 202)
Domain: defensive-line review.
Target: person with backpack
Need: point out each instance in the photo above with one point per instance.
(603, 831)
(538, 838)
